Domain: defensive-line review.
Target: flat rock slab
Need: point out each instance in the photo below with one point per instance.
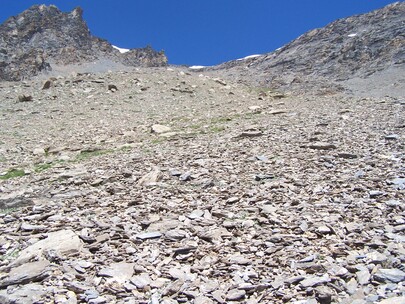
(26, 294)
(149, 235)
(118, 272)
(322, 146)
(389, 275)
(276, 112)
(159, 129)
(314, 281)
(150, 178)
(394, 300)
(29, 272)
(14, 200)
(64, 242)
(141, 281)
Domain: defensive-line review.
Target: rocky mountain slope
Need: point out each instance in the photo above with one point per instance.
(160, 185)
(356, 47)
(43, 36)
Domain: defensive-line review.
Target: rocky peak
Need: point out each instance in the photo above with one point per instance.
(43, 35)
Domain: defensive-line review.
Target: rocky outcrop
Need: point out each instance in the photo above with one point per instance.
(43, 35)
(358, 46)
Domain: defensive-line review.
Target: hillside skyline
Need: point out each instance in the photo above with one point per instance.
(207, 33)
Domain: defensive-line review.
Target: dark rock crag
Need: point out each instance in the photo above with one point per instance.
(43, 35)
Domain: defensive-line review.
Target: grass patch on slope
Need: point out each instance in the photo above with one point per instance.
(12, 173)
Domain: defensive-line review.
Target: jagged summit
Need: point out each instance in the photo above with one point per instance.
(357, 46)
(43, 35)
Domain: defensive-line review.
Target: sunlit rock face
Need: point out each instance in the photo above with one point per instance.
(43, 35)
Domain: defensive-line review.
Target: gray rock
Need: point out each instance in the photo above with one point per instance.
(185, 177)
(27, 273)
(218, 296)
(294, 280)
(276, 112)
(376, 258)
(112, 88)
(363, 276)
(351, 286)
(173, 288)
(14, 199)
(141, 281)
(25, 98)
(174, 172)
(149, 235)
(91, 294)
(203, 300)
(347, 155)
(159, 129)
(393, 203)
(196, 214)
(235, 295)
(251, 133)
(150, 178)
(239, 260)
(389, 275)
(376, 193)
(25, 294)
(65, 242)
(392, 137)
(315, 281)
(398, 183)
(262, 158)
(324, 230)
(118, 272)
(98, 300)
(323, 294)
(322, 146)
(260, 177)
(393, 300)
(176, 234)
(33, 228)
(47, 85)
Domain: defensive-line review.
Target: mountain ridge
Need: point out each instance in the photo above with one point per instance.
(356, 46)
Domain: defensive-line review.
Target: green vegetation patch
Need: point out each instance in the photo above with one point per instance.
(217, 129)
(10, 255)
(90, 154)
(42, 167)
(12, 173)
(8, 210)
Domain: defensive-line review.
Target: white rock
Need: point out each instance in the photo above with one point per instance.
(160, 129)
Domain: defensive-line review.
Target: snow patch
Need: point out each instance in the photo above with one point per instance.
(121, 50)
(196, 67)
(248, 57)
(352, 35)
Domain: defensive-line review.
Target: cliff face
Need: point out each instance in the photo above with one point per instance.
(358, 46)
(42, 35)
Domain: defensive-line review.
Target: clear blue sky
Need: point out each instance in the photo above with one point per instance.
(203, 32)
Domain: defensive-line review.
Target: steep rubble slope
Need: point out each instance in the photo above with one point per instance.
(246, 198)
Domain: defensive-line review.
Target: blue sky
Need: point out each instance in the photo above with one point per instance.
(203, 32)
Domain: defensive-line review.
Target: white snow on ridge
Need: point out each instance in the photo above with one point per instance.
(352, 35)
(196, 67)
(121, 50)
(248, 57)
